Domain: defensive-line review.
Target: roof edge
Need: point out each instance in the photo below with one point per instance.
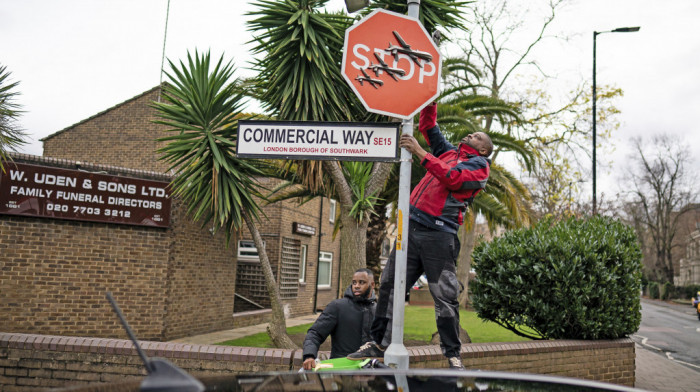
(45, 138)
(87, 166)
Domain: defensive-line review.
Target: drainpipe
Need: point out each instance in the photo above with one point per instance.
(339, 292)
(318, 251)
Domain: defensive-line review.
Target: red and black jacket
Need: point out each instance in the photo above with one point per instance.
(455, 175)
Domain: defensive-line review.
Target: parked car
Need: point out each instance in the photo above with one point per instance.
(382, 380)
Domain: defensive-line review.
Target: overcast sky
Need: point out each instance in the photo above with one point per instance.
(75, 58)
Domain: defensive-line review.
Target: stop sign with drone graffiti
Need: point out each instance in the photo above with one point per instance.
(392, 64)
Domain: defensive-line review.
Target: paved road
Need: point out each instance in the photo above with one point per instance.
(672, 330)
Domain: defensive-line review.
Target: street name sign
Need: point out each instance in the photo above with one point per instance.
(345, 141)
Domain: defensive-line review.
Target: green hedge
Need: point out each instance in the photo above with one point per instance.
(654, 290)
(576, 279)
(668, 291)
(685, 292)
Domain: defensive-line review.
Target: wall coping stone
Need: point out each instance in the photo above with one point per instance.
(92, 167)
(251, 313)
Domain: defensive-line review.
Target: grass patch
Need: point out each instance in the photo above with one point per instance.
(419, 327)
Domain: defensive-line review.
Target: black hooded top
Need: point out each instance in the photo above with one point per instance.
(347, 320)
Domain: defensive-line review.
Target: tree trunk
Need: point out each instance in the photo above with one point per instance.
(353, 242)
(467, 238)
(376, 233)
(353, 234)
(277, 328)
(669, 257)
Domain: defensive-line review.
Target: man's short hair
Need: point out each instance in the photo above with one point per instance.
(488, 145)
(368, 271)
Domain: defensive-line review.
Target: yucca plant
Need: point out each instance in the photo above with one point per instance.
(201, 105)
(434, 14)
(358, 174)
(300, 53)
(299, 48)
(11, 135)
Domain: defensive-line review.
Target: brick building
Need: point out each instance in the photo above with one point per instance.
(170, 282)
(689, 269)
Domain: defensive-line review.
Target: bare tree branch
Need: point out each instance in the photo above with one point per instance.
(664, 193)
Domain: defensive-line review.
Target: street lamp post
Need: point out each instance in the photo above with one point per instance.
(595, 34)
(356, 5)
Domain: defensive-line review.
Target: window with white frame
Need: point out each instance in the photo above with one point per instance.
(325, 266)
(334, 206)
(302, 264)
(247, 251)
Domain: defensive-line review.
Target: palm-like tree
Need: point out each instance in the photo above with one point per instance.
(434, 14)
(11, 135)
(300, 49)
(200, 109)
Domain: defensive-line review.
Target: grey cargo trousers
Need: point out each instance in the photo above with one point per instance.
(435, 253)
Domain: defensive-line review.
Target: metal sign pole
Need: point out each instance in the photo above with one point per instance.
(396, 354)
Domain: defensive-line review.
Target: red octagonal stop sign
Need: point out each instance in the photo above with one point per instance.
(392, 64)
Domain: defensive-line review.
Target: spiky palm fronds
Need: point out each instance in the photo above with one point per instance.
(433, 14)
(358, 175)
(200, 106)
(11, 135)
(300, 52)
(505, 202)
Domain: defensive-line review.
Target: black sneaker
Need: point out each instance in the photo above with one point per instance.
(455, 363)
(369, 350)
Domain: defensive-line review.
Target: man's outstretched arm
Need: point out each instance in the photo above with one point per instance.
(317, 334)
(427, 125)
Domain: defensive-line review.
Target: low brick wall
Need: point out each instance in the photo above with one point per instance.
(253, 317)
(39, 362)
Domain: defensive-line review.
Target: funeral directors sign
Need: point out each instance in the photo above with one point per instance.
(347, 141)
(32, 190)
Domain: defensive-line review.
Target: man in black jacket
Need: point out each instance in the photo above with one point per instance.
(346, 320)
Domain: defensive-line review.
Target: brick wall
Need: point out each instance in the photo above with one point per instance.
(123, 135)
(308, 215)
(610, 361)
(55, 274)
(170, 283)
(37, 362)
(201, 279)
(277, 224)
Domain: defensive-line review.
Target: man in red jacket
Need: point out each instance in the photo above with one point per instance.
(438, 203)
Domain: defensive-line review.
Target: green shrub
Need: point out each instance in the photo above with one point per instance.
(653, 290)
(692, 291)
(685, 292)
(576, 279)
(668, 291)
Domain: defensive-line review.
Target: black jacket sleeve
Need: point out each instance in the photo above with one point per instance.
(325, 324)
